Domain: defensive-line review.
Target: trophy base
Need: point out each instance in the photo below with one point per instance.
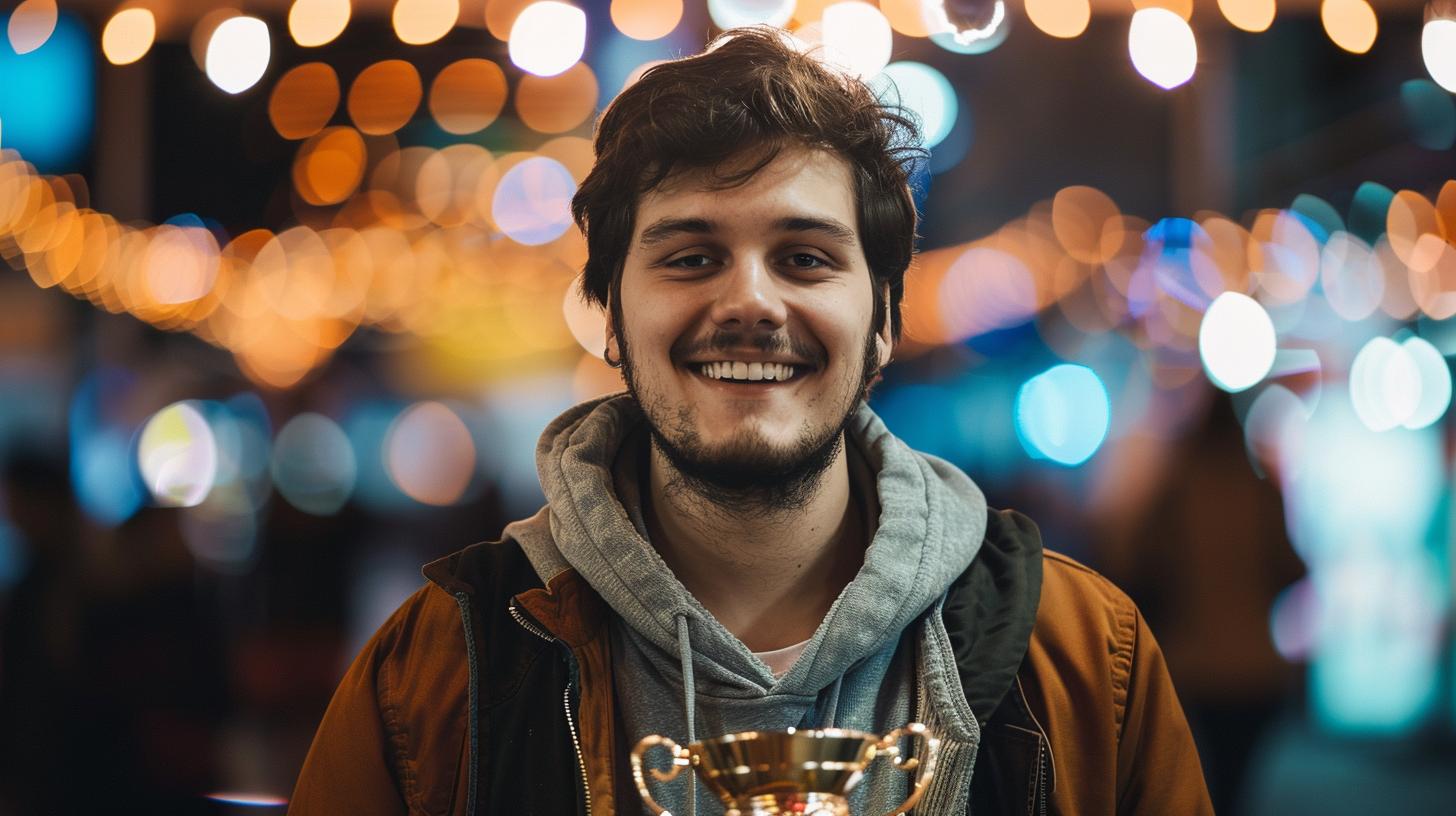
(798, 804)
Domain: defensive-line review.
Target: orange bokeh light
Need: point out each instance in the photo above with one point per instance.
(466, 96)
(385, 96)
(646, 19)
(500, 15)
(329, 166)
(559, 103)
(906, 17)
(304, 100)
(1079, 220)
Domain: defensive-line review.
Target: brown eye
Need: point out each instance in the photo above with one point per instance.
(690, 262)
(806, 260)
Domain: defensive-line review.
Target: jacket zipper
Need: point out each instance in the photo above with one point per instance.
(463, 600)
(531, 627)
(1041, 776)
(575, 743)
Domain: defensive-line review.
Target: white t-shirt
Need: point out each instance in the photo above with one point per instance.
(779, 661)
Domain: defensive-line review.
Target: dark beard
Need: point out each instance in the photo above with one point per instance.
(752, 475)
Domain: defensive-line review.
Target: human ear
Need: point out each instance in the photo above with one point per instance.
(885, 337)
(611, 348)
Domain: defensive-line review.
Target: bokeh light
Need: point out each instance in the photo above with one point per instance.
(50, 128)
(1385, 384)
(238, 53)
(1430, 112)
(1080, 216)
(177, 454)
(1250, 15)
(1351, 277)
(317, 22)
(31, 24)
(329, 166)
(924, 92)
(429, 454)
(1294, 621)
(1162, 47)
(958, 40)
(728, 14)
(906, 17)
(1236, 341)
(313, 464)
(985, 289)
(548, 37)
(857, 38)
(303, 100)
(1063, 414)
(467, 95)
(1351, 24)
(646, 19)
(180, 263)
(1435, 379)
(385, 96)
(1059, 18)
(556, 104)
(532, 202)
(419, 22)
(128, 35)
(1438, 51)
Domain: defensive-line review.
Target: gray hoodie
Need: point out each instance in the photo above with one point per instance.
(880, 658)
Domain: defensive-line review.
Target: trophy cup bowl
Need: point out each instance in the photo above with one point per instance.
(811, 772)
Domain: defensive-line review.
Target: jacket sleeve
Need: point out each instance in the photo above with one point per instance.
(349, 768)
(1158, 771)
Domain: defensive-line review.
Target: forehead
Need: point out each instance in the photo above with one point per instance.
(799, 181)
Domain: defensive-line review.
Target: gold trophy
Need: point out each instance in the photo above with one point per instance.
(767, 773)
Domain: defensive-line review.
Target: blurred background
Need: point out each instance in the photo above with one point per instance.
(287, 296)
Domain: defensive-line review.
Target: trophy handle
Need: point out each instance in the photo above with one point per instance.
(889, 745)
(681, 758)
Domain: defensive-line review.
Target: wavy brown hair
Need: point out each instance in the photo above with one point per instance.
(749, 96)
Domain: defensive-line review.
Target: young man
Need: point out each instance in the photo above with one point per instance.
(738, 542)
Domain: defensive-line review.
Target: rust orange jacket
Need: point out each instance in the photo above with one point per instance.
(489, 693)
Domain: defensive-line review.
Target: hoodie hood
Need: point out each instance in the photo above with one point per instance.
(932, 518)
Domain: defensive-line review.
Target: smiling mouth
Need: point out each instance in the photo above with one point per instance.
(749, 374)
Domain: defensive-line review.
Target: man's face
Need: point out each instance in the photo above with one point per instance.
(726, 291)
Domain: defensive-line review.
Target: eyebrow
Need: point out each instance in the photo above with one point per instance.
(665, 229)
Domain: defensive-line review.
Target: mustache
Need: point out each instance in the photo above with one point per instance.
(778, 343)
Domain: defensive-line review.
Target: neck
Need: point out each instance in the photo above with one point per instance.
(768, 576)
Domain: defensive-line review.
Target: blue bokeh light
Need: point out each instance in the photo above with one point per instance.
(1063, 414)
(48, 97)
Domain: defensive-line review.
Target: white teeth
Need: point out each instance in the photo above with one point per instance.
(750, 372)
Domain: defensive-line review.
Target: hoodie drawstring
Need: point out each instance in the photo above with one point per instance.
(685, 655)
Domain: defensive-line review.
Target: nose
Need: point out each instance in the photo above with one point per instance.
(749, 298)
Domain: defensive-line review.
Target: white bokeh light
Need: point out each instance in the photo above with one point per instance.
(532, 202)
(1236, 341)
(728, 14)
(1385, 384)
(548, 37)
(1435, 377)
(1438, 49)
(857, 38)
(177, 455)
(238, 53)
(925, 92)
(1162, 47)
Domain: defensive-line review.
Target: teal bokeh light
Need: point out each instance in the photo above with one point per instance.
(1063, 414)
(47, 97)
